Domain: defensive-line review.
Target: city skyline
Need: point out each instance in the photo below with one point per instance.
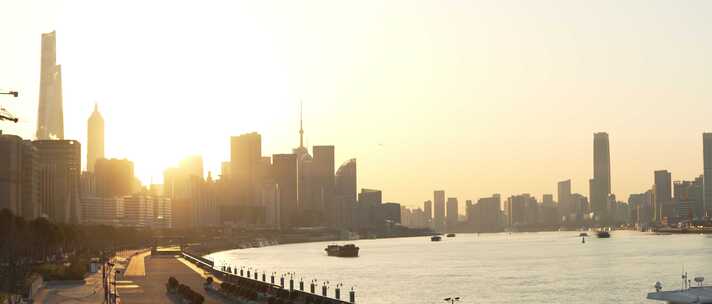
(489, 158)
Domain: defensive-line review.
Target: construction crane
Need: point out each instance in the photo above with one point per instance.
(4, 114)
(13, 93)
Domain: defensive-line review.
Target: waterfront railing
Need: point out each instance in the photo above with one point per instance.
(233, 273)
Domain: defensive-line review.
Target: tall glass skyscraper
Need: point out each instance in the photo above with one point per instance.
(600, 185)
(50, 120)
(707, 182)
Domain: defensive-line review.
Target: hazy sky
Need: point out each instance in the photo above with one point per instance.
(473, 97)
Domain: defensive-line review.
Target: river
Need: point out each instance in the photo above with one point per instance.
(545, 267)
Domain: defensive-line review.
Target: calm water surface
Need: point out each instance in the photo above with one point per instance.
(546, 267)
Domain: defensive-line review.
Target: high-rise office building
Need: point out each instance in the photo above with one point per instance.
(487, 213)
(469, 208)
(269, 195)
(690, 193)
(284, 172)
(707, 166)
(564, 197)
(452, 213)
(60, 171)
(102, 210)
(322, 175)
(11, 147)
(368, 210)
(548, 213)
(193, 165)
(50, 120)
(428, 211)
(225, 170)
(547, 200)
(520, 210)
(245, 155)
(114, 177)
(95, 138)
(600, 185)
(194, 200)
(345, 180)
(663, 186)
(390, 212)
(30, 181)
(346, 191)
(439, 210)
(602, 160)
(663, 194)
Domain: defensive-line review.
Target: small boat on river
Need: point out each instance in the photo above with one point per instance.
(345, 251)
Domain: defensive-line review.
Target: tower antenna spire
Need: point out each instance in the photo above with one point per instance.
(301, 125)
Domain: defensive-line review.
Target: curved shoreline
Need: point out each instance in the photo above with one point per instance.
(205, 250)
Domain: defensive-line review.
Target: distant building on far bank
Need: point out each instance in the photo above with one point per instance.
(439, 210)
(428, 212)
(486, 214)
(707, 167)
(452, 213)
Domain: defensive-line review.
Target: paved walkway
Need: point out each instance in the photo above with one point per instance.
(151, 288)
(137, 265)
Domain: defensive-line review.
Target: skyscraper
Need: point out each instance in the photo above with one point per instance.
(515, 208)
(452, 213)
(60, 170)
(346, 191)
(487, 214)
(245, 156)
(284, 171)
(663, 192)
(439, 210)
(602, 160)
(11, 173)
(30, 181)
(368, 208)
(193, 165)
(114, 177)
(707, 156)
(50, 120)
(428, 212)
(600, 185)
(690, 193)
(345, 180)
(95, 138)
(322, 174)
(564, 197)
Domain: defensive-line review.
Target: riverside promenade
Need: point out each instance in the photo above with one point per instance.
(146, 276)
(147, 283)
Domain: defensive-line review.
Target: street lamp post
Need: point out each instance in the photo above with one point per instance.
(107, 281)
(116, 293)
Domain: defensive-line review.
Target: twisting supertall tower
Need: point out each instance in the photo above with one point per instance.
(50, 120)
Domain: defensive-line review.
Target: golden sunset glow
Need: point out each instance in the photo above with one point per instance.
(474, 97)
